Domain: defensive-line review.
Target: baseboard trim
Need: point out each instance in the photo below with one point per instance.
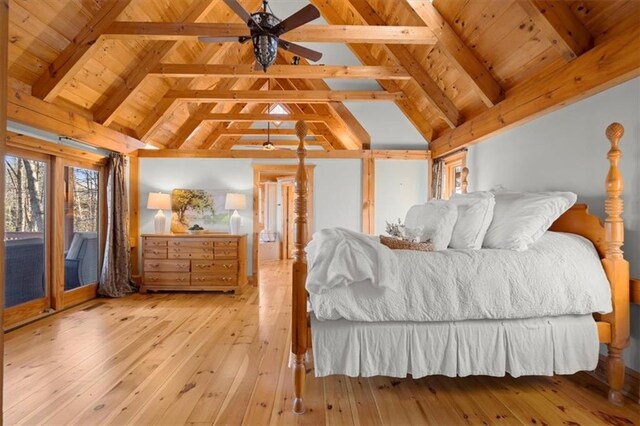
(631, 379)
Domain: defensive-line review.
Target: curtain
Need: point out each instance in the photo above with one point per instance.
(436, 181)
(115, 279)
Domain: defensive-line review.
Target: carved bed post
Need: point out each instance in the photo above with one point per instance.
(464, 183)
(617, 269)
(299, 302)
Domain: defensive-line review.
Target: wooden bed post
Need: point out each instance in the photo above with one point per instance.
(617, 269)
(299, 302)
(464, 183)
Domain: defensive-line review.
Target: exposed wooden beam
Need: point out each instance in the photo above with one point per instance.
(259, 153)
(363, 53)
(432, 92)
(214, 136)
(35, 112)
(258, 132)
(212, 52)
(469, 66)
(396, 154)
(105, 112)
(334, 129)
(75, 55)
(292, 142)
(606, 65)
(298, 96)
(250, 118)
(558, 23)
(282, 71)
(353, 135)
(17, 140)
(308, 33)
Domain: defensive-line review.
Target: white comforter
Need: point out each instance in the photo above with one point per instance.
(561, 274)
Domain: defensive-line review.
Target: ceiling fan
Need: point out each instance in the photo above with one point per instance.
(265, 30)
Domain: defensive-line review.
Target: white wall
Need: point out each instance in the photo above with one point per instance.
(566, 150)
(399, 184)
(337, 188)
(337, 191)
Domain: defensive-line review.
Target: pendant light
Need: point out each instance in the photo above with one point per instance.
(268, 146)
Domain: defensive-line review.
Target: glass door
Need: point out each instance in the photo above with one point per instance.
(26, 242)
(82, 236)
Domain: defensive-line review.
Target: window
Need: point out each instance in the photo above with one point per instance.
(81, 226)
(25, 208)
(452, 174)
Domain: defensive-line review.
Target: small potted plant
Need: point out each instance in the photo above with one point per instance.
(196, 229)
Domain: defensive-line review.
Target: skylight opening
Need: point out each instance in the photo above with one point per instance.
(277, 109)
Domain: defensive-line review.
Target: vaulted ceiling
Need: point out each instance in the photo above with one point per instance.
(458, 70)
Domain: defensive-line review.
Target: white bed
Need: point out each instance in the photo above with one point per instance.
(455, 312)
(536, 346)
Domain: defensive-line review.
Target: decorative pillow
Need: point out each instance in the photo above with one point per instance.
(475, 211)
(520, 218)
(437, 219)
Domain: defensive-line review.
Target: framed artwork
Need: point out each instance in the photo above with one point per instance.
(203, 207)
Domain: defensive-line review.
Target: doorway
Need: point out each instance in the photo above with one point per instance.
(273, 213)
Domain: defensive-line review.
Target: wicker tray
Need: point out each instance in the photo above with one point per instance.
(396, 244)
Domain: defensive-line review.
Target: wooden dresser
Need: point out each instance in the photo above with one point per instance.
(207, 262)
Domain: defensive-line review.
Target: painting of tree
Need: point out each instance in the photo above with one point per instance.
(197, 206)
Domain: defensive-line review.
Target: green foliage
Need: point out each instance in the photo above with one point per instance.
(191, 199)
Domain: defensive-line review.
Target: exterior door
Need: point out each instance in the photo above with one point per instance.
(26, 238)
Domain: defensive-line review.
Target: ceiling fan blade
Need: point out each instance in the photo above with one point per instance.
(301, 17)
(226, 39)
(239, 10)
(310, 54)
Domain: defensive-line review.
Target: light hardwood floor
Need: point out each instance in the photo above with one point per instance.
(172, 358)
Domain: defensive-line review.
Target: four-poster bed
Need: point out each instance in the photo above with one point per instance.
(607, 238)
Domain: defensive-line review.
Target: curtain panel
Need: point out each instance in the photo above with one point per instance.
(436, 181)
(115, 278)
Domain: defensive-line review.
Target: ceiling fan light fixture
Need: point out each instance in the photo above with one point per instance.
(268, 146)
(265, 49)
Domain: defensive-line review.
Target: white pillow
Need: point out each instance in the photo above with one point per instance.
(520, 218)
(475, 211)
(437, 219)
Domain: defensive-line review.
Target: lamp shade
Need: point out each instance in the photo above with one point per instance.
(158, 200)
(235, 202)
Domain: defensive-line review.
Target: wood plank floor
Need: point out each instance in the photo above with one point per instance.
(172, 358)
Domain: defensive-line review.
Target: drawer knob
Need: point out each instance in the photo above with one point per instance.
(154, 279)
(226, 279)
(228, 266)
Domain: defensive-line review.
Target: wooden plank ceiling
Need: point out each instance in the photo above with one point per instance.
(132, 72)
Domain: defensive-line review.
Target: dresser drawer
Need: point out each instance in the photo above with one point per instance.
(155, 253)
(167, 278)
(191, 243)
(187, 255)
(220, 266)
(213, 279)
(226, 253)
(155, 242)
(166, 265)
(226, 243)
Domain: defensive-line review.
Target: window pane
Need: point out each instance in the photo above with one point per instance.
(458, 180)
(24, 239)
(81, 221)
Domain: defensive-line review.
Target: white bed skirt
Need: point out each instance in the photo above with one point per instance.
(536, 346)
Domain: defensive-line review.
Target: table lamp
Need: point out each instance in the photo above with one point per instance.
(160, 201)
(235, 202)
